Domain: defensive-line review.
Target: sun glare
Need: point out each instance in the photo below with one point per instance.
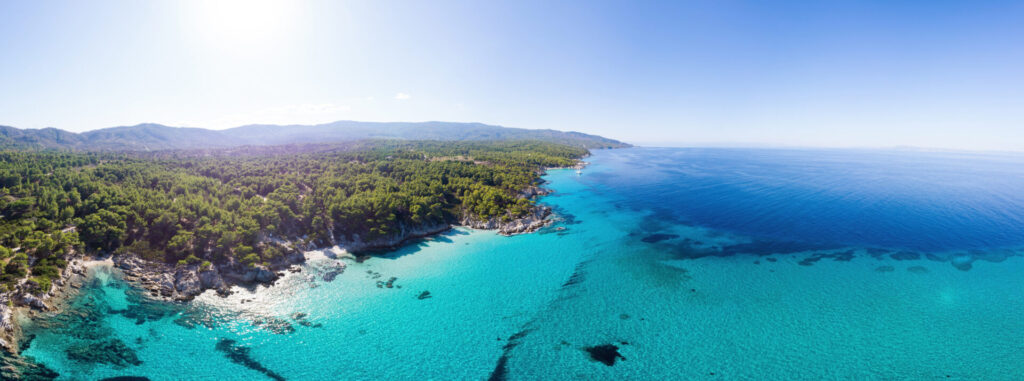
(242, 21)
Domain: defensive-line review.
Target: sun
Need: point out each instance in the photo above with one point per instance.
(242, 21)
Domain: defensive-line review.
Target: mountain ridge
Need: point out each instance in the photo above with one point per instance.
(155, 137)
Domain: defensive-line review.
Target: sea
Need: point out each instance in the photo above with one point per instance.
(662, 264)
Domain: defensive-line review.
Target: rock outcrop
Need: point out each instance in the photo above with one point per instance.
(171, 282)
(6, 322)
(406, 233)
(529, 223)
(34, 302)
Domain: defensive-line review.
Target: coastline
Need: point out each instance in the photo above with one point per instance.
(28, 305)
(182, 283)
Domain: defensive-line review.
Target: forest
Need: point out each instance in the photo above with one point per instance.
(240, 206)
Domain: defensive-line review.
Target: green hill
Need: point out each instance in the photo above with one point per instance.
(152, 137)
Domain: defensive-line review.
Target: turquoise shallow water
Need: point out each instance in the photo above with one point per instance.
(639, 261)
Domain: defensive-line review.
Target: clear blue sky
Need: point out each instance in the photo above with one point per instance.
(816, 73)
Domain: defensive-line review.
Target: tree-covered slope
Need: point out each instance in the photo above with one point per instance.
(236, 209)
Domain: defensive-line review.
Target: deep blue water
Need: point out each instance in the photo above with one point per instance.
(897, 199)
(687, 263)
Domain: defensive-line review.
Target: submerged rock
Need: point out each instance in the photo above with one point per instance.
(302, 319)
(330, 275)
(424, 295)
(273, 324)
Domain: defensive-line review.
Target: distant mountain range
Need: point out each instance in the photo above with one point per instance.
(153, 137)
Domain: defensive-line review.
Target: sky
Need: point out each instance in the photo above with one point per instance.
(937, 74)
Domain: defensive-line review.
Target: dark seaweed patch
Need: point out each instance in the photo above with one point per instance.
(424, 295)
(514, 339)
(606, 353)
(143, 309)
(575, 278)
(689, 249)
(876, 252)
(565, 217)
(577, 274)
(500, 372)
(654, 238)
(917, 270)
(111, 351)
(14, 367)
(768, 247)
(905, 256)
(842, 256)
(240, 355)
(962, 262)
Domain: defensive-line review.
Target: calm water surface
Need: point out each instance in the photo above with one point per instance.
(692, 263)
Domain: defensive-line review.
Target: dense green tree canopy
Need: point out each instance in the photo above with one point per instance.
(238, 205)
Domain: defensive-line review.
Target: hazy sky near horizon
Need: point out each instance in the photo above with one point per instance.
(939, 73)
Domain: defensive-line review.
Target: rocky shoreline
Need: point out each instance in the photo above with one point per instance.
(185, 282)
(26, 299)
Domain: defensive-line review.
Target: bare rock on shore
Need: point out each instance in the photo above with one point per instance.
(258, 273)
(173, 282)
(263, 275)
(34, 302)
(537, 219)
(211, 279)
(405, 233)
(187, 283)
(6, 322)
(534, 191)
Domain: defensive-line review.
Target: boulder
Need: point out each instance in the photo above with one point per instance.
(165, 284)
(211, 279)
(187, 282)
(265, 276)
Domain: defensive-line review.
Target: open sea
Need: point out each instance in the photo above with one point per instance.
(664, 264)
